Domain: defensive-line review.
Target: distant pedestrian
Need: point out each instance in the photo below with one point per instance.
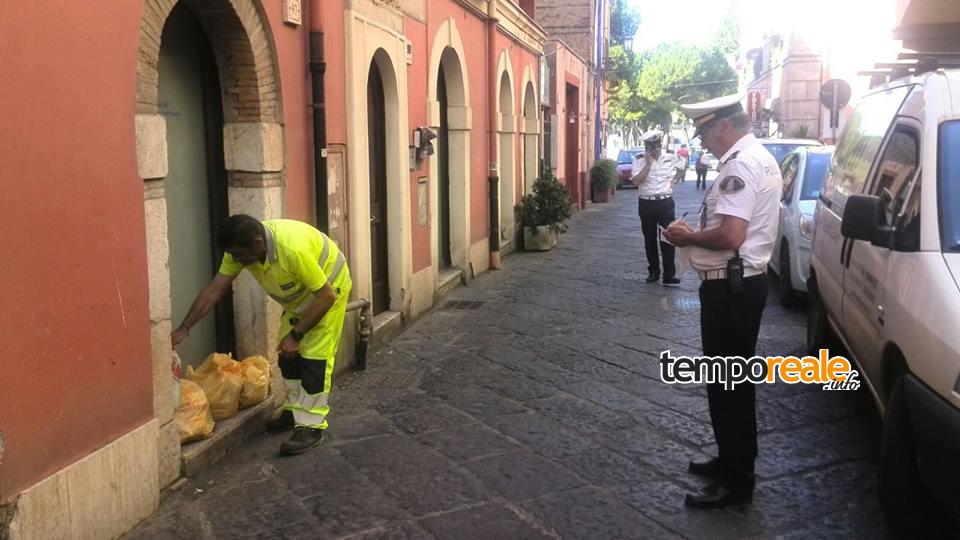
(702, 167)
(730, 251)
(655, 177)
(685, 154)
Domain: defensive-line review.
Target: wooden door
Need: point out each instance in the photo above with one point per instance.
(443, 174)
(377, 137)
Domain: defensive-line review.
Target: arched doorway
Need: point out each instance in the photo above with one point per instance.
(443, 174)
(196, 184)
(507, 165)
(377, 158)
(531, 132)
(450, 115)
(249, 137)
(571, 141)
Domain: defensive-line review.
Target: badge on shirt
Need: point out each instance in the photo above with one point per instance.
(732, 184)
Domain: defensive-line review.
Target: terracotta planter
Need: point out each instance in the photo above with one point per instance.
(539, 239)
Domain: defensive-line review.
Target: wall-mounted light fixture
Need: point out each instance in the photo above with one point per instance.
(421, 148)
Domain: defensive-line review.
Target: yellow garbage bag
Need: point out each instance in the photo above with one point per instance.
(193, 417)
(256, 380)
(221, 380)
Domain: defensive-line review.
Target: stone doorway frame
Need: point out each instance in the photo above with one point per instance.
(530, 132)
(505, 90)
(448, 51)
(243, 45)
(374, 34)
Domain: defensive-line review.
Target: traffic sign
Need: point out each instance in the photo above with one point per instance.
(835, 88)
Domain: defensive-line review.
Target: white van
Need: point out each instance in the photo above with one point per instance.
(885, 269)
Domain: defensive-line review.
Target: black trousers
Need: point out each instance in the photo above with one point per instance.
(653, 213)
(729, 325)
(701, 177)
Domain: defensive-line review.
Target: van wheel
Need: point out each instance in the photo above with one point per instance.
(787, 294)
(903, 500)
(819, 334)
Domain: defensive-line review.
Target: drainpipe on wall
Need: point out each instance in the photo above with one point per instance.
(493, 180)
(598, 73)
(318, 68)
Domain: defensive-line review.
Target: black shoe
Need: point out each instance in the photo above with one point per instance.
(282, 423)
(721, 494)
(671, 281)
(303, 439)
(653, 277)
(710, 468)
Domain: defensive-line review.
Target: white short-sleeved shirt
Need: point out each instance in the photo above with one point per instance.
(748, 186)
(660, 177)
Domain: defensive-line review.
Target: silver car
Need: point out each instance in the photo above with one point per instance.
(804, 171)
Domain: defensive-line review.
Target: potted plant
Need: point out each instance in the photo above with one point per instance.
(544, 213)
(603, 179)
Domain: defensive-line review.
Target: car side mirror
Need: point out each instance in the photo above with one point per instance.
(864, 218)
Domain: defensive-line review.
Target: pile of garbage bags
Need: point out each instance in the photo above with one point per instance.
(218, 389)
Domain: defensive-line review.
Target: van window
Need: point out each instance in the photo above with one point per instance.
(948, 184)
(860, 143)
(896, 170)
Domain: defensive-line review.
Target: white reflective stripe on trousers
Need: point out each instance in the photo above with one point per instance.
(311, 409)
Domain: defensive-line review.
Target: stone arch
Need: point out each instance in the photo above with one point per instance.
(396, 180)
(377, 37)
(243, 46)
(449, 53)
(530, 130)
(506, 151)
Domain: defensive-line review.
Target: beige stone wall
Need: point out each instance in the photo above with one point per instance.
(101, 496)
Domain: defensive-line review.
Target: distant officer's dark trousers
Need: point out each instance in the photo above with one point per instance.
(702, 177)
(653, 213)
(729, 325)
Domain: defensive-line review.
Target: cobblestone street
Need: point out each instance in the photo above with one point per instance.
(528, 404)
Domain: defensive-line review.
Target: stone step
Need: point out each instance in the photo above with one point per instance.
(228, 434)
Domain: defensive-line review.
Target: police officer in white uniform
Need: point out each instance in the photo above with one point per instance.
(738, 224)
(655, 175)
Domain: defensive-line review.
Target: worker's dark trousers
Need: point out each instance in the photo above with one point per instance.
(729, 325)
(653, 213)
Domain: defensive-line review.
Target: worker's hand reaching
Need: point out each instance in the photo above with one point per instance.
(178, 335)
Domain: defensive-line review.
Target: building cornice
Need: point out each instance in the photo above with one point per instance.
(516, 22)
(512, 20)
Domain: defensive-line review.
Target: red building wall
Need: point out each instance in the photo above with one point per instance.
(73, 292)
(417, 85)
(292, 45)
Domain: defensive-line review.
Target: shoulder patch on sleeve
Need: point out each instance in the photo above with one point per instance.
(732, 184)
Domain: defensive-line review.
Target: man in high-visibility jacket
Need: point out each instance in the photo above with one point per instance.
(305, 271)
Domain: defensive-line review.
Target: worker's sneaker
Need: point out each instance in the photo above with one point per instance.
(303, 439)
(671, 281)
(282, 423)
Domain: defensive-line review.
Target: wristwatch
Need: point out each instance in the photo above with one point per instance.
(297, 336)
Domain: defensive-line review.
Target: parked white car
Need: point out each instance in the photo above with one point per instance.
(781, 147)
(804, 171)
(885, 268)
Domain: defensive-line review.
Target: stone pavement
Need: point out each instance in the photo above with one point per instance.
(529, 405)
